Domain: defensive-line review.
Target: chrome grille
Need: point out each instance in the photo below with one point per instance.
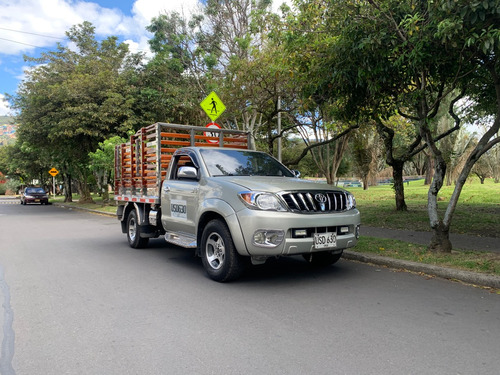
(315, 201)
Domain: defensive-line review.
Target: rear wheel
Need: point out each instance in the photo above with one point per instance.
(134, 232)
(323, 258)
(219, 256)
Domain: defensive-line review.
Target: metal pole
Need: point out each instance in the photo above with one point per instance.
(279, 128)
(54, 186)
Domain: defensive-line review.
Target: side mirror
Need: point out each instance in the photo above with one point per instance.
(296, 173)
(190, 173)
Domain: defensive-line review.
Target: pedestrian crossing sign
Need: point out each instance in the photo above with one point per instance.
(213, 106)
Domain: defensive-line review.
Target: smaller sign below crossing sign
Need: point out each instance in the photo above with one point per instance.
(212, 134)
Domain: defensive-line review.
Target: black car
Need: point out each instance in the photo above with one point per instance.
(34, 195)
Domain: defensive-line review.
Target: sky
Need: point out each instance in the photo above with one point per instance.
(29, 27)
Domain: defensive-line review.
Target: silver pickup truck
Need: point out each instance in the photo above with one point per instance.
(233, 205)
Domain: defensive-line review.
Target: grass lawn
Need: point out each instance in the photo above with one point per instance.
(477, 212)
(475, 261)
(97, 205)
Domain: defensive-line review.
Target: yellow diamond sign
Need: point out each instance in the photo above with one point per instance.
(54, 172)
(213, 106)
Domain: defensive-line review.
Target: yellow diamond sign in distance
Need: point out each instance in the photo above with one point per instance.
(213, 106)
(53, 172)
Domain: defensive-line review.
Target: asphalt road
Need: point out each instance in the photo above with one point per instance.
(77, 300)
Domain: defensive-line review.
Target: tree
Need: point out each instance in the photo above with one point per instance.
(401, 145)
(365, 154)
(102, 163)
(170, 86)
(74, 99)
(20, 161)
(392, 56)
(481, 169)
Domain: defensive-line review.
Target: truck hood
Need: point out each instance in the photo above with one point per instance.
(278, 184)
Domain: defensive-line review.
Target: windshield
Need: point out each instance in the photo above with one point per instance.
(35, 191)
(222, 162)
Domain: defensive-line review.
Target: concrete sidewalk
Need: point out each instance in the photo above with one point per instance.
(459, 241)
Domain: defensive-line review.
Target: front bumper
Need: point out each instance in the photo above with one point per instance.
(251, 221)
(36, 200)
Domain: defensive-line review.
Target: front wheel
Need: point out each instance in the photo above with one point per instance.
(322, 258)
(219, 256)
(134, 232)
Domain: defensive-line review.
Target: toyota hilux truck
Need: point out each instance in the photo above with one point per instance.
(204, 189)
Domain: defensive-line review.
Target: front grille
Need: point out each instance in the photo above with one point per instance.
(316, 201)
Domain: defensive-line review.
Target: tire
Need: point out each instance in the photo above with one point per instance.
(134, 232)
(218, 254)
(322, 258)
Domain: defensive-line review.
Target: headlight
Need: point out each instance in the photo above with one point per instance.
(262, 201)
(29, 196)
(351, 201)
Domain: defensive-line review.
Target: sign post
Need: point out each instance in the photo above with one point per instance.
(54, 172)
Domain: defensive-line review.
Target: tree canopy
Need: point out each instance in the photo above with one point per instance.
(74, 98)
(330, 70)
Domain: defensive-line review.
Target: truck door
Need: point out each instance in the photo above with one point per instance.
(179, 198)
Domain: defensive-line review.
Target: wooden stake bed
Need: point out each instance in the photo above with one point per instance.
(141, 164)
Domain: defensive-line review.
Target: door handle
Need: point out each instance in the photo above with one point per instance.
(166, 188)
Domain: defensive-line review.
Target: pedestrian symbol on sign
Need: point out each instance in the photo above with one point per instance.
(214, 106)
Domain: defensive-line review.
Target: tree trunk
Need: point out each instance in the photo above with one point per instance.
(105, 188)
(429, 172)
(84, 189)
(68, 192)
(397, 174)
(441, 228)
(440, 241)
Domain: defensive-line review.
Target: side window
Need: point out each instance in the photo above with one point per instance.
(183, 161)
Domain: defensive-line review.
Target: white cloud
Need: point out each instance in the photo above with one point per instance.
(4, 108)
(27, 24)
(33, 23)
(145, 10)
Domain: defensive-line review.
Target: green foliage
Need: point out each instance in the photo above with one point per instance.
(75, 98)
(103, 158)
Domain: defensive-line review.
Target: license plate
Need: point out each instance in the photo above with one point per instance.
(37, 200)
(325, 240)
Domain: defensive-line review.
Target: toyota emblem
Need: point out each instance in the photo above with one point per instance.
(320, 197)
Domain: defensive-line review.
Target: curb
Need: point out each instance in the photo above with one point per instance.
(468, 277)
(85, 209)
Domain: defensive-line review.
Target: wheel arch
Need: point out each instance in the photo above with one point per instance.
(123, 212)
(218, 209)
(205, 218)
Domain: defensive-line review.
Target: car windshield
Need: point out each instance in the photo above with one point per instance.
(35, 191)
(221, 162)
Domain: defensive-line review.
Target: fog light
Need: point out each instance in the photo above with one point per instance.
(268, 238)
(344, 229)
(300, 232)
